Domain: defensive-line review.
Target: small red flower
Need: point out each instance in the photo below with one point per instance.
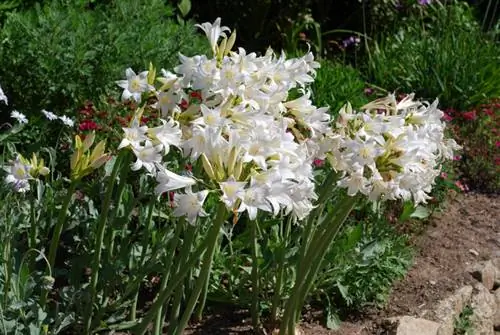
(471, 115)
(188, 167)
(87, 125)
(318, 162)
(184, 104)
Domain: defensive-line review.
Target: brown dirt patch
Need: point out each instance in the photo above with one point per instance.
(467, 231)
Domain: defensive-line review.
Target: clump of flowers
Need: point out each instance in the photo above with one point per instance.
(234, 113)
(391, 150)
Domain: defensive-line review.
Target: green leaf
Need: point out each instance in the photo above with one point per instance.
(420, 212)
(184, 7)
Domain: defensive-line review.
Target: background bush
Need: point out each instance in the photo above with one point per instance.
(336, 84)
(58, 55)
(440, 53)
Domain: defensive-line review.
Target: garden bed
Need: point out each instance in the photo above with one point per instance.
(465, 232)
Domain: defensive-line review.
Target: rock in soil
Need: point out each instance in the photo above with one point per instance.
(484, 306)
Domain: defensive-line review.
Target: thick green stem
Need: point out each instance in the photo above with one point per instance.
(321, 241)
(121, 189)
(205, 270)
(166, 276)
(176, 309)
(7, 261)
(99, 238)
(145, 242)
(54, 243)
(33, 232)
(184, 253)
(163, 296)
(255, 276)
(276, 304)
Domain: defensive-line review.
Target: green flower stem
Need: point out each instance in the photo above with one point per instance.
(280, 271)
(175, 309)
(145, 242)
(54, 243)
(7, 261)
(187, 245)
(315, 256)
(99, 238)
(255, 276)
(120, 190)
(205, 270)
(33, 232)
(324, 194)
(163, 296)
(166, 276)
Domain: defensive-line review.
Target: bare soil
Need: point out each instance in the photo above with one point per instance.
(467, 231)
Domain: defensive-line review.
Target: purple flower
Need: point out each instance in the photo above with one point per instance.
(424, 2)
(350, 41)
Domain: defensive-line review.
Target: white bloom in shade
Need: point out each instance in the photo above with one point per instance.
(134, 135)
(20, 117)
(355, 182)
(18, 175)
(3, 97)
(169, 181)
(168, 134)
(213, 31)
(147, 156)
(134, 85)
(190, 204)
(49, 115)
(67, 121)
(253, 199)
(232, 190)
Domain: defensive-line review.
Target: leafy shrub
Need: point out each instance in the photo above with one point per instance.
(477, 130)
(440, 53)
(337, 84)
(57, 56)
(364, 262)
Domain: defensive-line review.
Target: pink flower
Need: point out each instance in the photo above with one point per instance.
(457, 158)
(447, 117)
(318, 162)
(497, 144)
(463, 187)
(444, 175)
(470, 115)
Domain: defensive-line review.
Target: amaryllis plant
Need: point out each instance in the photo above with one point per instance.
(251, 136)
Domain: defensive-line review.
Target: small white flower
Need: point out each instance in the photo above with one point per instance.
(168, 134)
(232, 191)
(49, 115)
(213, 31)
(190, 204)
(67, 121)
(134, 85)
(134, 135)
(19, 175)
(20, 117)
(169, 181)
(147, 156)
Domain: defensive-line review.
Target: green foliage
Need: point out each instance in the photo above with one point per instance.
(463, 324)
(56, 56)
(337, 84)
(363, 263)
(440, 53)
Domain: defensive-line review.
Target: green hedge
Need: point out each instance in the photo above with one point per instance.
(56, 56)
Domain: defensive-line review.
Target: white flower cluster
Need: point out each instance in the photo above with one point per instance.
(255, 142)
(20, 171)
(392, 150)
